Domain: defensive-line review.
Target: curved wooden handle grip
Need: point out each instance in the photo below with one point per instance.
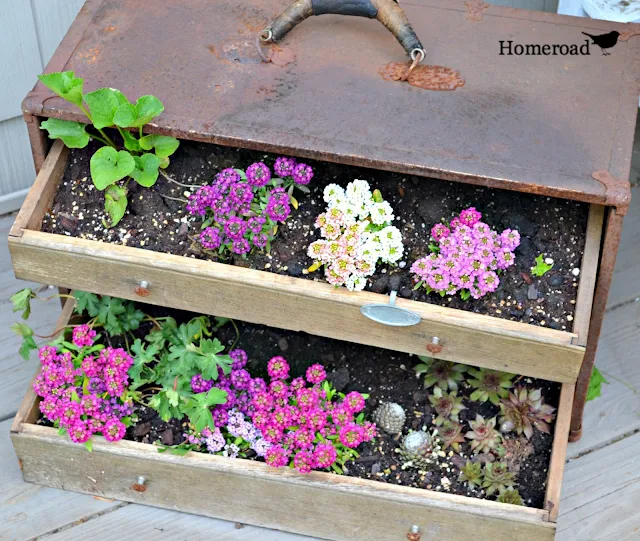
(386, 11)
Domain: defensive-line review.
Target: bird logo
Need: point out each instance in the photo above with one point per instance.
(605, 41)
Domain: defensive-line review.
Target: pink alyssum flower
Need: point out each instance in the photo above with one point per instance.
(468, 257)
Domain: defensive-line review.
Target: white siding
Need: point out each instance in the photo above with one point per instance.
(30, 31)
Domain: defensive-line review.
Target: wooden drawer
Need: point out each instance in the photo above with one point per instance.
(319, 504)
(293, 303)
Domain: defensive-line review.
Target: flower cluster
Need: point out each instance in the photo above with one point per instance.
(303, 423)
(467, 258)
(241, 209)
(84, 387)
(356, 235)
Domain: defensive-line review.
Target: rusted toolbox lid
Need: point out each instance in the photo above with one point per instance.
(534, 123)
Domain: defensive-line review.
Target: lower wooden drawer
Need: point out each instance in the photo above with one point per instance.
(319, 504)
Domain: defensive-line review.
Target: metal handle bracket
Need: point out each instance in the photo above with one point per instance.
(390, 314)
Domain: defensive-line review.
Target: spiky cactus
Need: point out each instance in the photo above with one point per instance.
(447, 375)
(447, 405)
(419, 449)
(390, 417)
(471, 473)
(483, 435)
(451, 434)
(489, 385)
(497, 477)
(524, 410)
(510, 496)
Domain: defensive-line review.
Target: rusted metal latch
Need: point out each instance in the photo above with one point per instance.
(617, 192)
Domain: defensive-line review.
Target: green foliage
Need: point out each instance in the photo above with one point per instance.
(21, 301)
(541, 268)
(28, 342)
(510, 496)
(489, 385)
(110, 108)
(595, 384)
(497, 477)
(446, 374)
(446, 405)
(524, 410)
(483, 436)
(471, 473)
(198, 408)
(117, 316)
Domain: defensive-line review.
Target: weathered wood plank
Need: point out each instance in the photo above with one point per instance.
(28, 511)
(16, 164)
(626, 276)
(145, 524)
(559, 451)
(253, 493)
(617, 411)
(290, 303)
(589, 271)
(52, 20)
(601, 494)
(19, 56)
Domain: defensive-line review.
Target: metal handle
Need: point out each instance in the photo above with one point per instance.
(390, 314)
(387, 12)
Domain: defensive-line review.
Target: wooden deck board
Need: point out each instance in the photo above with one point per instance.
(27, 511)
(601, 494)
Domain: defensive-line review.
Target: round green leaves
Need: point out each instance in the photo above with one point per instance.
(109, 165)
(73, 134)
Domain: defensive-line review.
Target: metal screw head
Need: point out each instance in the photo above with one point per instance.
(143, 283)
(143, 289)
(415, 529)
(141, 480)
(435, 340)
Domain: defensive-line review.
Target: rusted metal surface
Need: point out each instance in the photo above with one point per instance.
(613, 230)
(38, 140)
(618, 192)
(536, 124)
(424, 76)
(475, 10)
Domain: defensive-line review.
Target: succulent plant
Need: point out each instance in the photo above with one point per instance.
(483, 434)
(524, 410)
(510, 496)
(447, 405)
(489, 384)
(390, 417)
(419, 449)
(446, 374)
(497, 477)
(471, 473)
(451, 435)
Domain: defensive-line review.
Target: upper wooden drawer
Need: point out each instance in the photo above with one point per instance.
(292, 303)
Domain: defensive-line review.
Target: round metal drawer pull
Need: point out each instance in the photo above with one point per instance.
(143, 289)
(140, 485)
(434, 346)
(414, 533)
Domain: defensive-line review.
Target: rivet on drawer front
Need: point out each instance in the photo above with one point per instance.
(434, 346)
(140, 485)
(414, 533)
(143, 289)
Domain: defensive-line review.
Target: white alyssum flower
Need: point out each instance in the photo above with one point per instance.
(356, 282)
(381, 213)
(358, 192)
(333, 193)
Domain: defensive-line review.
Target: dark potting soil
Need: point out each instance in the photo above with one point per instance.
(156, 221)
(388, 377)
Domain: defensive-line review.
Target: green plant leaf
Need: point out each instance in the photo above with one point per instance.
(164, 145)
(164, 163)
(595, 384)
(28, 345)
(130, 142)
(109, 166)
(103, 104)
(146, 170)
(65, 84)
(89, 445)
(198, 408)
(22, 301)
(87, 302)
(22, 329)
(541, 268)
(135, 116)
(115, 203)
(72, 134)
